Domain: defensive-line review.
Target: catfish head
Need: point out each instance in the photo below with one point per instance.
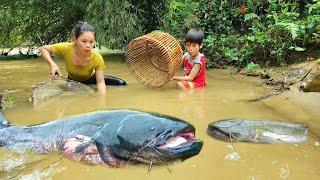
(143, 137)
(229, 130)
(148, 138)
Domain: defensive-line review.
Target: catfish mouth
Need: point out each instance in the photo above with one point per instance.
(220, 134)
(183, 144)
(180, 139)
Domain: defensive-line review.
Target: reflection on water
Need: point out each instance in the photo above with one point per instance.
(223, 98)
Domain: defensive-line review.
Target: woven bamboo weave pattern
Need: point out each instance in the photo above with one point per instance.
(154, 58)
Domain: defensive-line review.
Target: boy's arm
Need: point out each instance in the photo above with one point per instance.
(193, 73)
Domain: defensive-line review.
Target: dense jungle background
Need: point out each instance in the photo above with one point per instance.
(237, 32)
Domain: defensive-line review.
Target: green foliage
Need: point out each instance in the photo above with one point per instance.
(7, 102)
(312, 23)
(150, 13)
(256, 69)
(236, 32)
(209, 63)
(35, 22)
(181, 16)
(7, 36)
(239, 32)
(38, 22)
(264, 72)
(116, 22)
(251, 67)
(231, 49)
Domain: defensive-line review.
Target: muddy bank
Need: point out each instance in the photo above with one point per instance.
(294, 93)
(298, 106)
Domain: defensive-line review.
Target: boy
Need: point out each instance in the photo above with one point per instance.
(194, 63)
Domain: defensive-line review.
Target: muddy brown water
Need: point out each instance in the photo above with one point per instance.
(225, 97)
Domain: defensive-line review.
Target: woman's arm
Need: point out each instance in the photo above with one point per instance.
(193, 73)
(46, 52)
(101, 86)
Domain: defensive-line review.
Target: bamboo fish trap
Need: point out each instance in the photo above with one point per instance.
(154, 58)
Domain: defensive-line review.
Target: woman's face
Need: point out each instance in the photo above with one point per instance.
(85, 41)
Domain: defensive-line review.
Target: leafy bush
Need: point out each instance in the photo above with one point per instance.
(236, 32)
(114, 24)
(181, 16)
(263, 31)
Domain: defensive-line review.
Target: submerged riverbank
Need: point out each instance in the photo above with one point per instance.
(24, 53)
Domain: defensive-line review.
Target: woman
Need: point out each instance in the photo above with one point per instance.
(83, 64)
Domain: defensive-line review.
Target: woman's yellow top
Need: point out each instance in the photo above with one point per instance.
(78, 73)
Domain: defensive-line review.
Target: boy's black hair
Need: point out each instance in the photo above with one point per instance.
(195, 36)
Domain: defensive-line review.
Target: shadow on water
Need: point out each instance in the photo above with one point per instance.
(223, 98)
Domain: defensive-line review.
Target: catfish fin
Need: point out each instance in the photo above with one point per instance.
(267, 140)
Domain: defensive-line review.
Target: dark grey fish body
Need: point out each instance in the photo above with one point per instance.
(48, 137)
(258, 131)
(125, 134)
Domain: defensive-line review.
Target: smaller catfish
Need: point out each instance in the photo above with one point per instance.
(258, 131)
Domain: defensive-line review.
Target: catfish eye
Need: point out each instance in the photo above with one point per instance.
(152, 129)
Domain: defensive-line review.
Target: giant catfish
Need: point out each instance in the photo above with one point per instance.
(107, 137)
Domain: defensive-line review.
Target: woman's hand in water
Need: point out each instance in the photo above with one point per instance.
(46, 52)
(55, 71)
